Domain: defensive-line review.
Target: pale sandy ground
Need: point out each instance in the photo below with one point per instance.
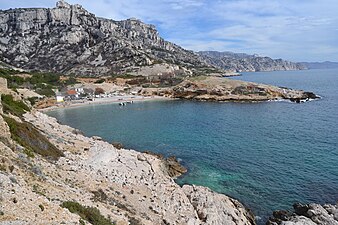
(109, 100)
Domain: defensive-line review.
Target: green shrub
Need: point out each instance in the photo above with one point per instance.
(45, 91)
(91, 214)
(30, 138)
(15, 107)
(32, 100)
(45, 78)
(100, 81)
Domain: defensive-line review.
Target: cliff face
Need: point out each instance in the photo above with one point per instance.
(241, 62)
(124, 186)
(70, 39)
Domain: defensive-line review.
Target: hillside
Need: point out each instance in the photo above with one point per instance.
(69, 39)
(240, 62)
(321, 65)
(52, 174)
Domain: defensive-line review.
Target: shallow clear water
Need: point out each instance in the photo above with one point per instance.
(268, 155)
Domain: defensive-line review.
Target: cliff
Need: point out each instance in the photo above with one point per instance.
(69, 39)
(52, 174)
(241, 62)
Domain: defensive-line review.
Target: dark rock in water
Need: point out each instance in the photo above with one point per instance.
(310, 214)
(281, 214)
(157, 155)
(300, 210)
(173, 167)
(310, 95)
(278, 217)
(117, 145)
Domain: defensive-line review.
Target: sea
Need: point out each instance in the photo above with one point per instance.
(268, 155)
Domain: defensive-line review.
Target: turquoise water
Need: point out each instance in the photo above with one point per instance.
(268, 155)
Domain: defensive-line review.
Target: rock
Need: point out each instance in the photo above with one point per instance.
(213, 208)
(141, 157)
(117, 145)
(5, 134)
(208, 88)
(73, 39)
(62, 4)
(300, 209)
(125, 185)
(174, 168)
(241, 62)
(311, 214)
(97, 138)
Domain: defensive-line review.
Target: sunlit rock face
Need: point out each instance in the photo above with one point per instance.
(70, 39)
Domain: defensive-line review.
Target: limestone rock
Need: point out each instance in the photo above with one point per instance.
(69, 39)
(310, 214)
(208, 88)
(213, 208)
(128, 186)
(241, 62)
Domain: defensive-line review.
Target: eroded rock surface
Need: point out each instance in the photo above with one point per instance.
(243, 62)
(310, 214)
(207, 88)
(125, 185)
(69, 39)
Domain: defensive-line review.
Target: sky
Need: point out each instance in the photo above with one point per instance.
(297, 30)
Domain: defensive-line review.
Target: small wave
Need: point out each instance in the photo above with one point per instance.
(258, 218)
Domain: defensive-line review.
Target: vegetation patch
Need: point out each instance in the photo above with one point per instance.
(30, 138)
(14, 107)
(91, 214)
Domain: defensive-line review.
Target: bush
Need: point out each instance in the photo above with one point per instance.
(33, 141)
(91, 214)
(33, 100)
(45, 91)
(46, 78)
(15, 107)
(100, 81)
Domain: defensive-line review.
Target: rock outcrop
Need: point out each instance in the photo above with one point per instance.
(310, 214)
(69, 39)
(126, 186)
(241, 62)
(223, 89)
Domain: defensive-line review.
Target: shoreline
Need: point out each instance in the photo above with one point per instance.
(143, 183)
(103, 101)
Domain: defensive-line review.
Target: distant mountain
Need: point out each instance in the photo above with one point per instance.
(321, 65)
(69, 39)
(240, 62)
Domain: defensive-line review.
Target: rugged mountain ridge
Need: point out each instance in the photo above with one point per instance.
(69, 39)
(240, 62)
(321, 65)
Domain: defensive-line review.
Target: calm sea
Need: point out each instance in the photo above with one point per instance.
(267, 155)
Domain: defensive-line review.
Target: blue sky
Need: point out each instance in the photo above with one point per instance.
(298, 30)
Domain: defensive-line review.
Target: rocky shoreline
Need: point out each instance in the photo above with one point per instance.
(309, 214)
(205, 88)
(125, 185)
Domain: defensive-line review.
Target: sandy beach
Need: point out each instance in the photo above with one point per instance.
(107, 100)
